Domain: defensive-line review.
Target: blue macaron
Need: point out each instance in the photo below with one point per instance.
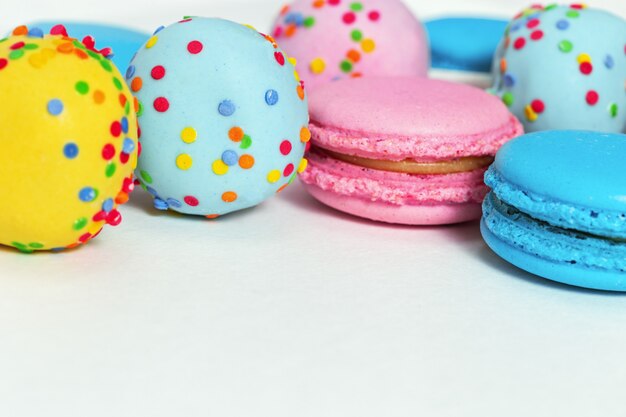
(558, 207)
(464, 43)
(123, 41)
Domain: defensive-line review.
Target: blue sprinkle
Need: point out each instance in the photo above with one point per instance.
(226, 108)
(160, 204)
(271, 97)
(509, 80)
(35, 33)
(124, 123)
(174, 203)
(87, 194)
(516, 27)
(130, 72)
(128, 147)
(70, 150)
(107, 206)
(562, 24)
(55, 107)
(152, 191)
(160, 28)
(609, 62)
(230, 158)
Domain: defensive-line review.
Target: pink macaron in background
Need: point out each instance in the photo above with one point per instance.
(405, 150)
(337, 39)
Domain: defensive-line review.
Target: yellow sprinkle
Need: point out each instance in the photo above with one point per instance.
(37, 60)
(189, 135)
(583, 58)
(95, 228)
(530, 114)
(273, 176)
(368, 45)
(184, 161)
(152, 41)
(293, 61)
(48, 52)
(219, 167)
(317, 66)
(250, 27)
(303, 165)
(296, 76)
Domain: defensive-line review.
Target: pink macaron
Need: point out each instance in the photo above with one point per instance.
(405, 150)
(336, 39)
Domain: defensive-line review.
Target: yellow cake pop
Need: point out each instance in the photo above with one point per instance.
(68, 140)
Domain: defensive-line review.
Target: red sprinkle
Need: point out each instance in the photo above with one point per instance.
(108, 152)
(116, 129)
(538, 106)
(592, 97)
(124, 157)
(349, 18)
(519, 43)
(194, 47)
(280, 58)
(533, 23)
(161, 104)
(285, 147)
(18, 45)
(288, 170)
(536, 35)
(374, 15)
(586, 68)
(3, 63)
(191, 201)
(158, 72)
(334, 2)
(114, 218)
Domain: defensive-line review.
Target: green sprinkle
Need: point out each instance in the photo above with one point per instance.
(106, 65)
(309, 22)
(507, 99)
(293, 178)
(346, 66)
(572, 14)
(356, 7)
(246, 142)
(80, 223)
(146, 177)
(94, 54)
(109, 171)
(551, 7)
(31, 46)
(17, 54)
(613, 110)
(35, 245)
(117, 83)
(82, 87)
(566, 46)
(127, 108)
(140, 108)
(356, 35)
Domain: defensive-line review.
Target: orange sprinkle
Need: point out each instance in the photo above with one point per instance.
(229, 196)
(305, 134)
(98, 97)
(503, 65)
(136, 84)
(318, 4)
(235, 134)
(212, 216)
(284, 10)
(65, 48)
(291, 30)
(136, 104)
(123, 100)
(246, 161)
(300, 90)
(282, 188)
(20, 30)
(356, 75)
(81, 54)
(354, 55)
(122, 198)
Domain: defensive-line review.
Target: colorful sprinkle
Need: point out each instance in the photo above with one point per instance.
(271, 97)
(189, 135)
(273, 176)
(566, 46)
(158, 72)
(194, 47)
(219, 167)
(184, 162)
(285, 147)
(592, 97)
(191, 201)
(317, 66)
(236, 134)
(161, 104)
(226, 108)
(229, 196)
(230, 158)
(70, 150)
(55, 107)
(152, 41)
(246, 161)
(82, 87)
(87, 194)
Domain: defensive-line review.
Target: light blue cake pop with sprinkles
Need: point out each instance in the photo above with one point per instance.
(223, 117)
(564, 67)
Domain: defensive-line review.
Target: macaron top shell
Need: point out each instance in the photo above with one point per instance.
(572, 179)
(337, 39)
(409, 117)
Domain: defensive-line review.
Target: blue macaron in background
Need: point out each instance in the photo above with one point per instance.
(558, 207)
(123, 41)
(464, 43)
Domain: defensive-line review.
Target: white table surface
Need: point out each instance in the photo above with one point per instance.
(292, 309)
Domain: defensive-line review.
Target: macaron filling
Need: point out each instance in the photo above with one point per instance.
(411, 166)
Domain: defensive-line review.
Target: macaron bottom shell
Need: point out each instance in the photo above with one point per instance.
(551, 252)
(394, 197)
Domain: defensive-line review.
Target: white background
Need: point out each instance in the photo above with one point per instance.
(292, 309)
